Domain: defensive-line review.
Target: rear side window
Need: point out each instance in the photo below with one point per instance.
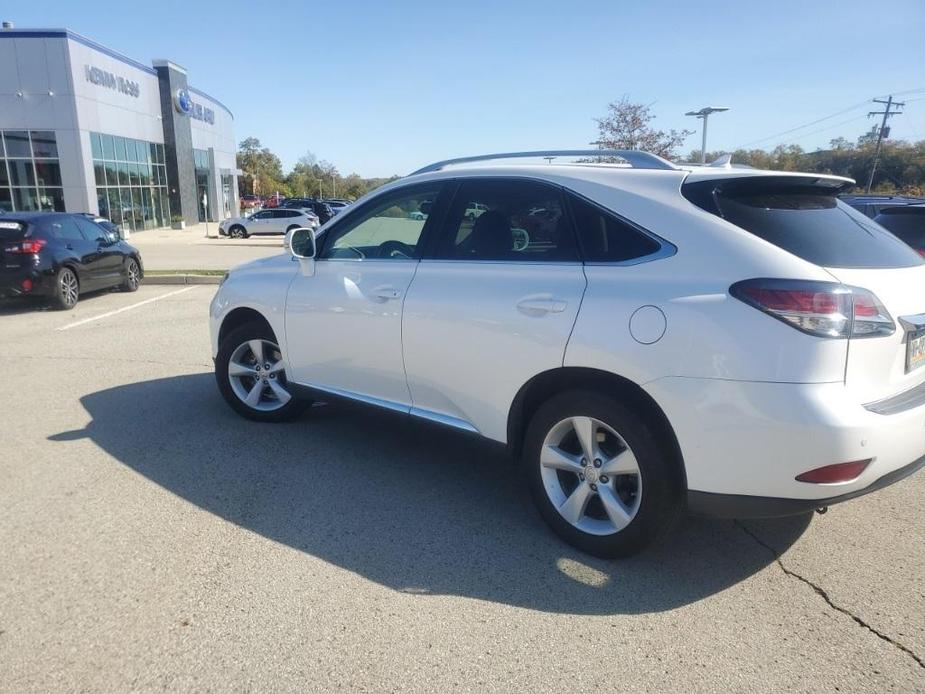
(61, 228)
(808, 222)
(605, 238)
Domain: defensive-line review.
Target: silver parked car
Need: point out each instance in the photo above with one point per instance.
(275, 221)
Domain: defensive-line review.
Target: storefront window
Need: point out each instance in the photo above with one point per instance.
(30, 175)
(135, 181)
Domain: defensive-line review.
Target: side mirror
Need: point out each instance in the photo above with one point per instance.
(302, 247)
(302, 243)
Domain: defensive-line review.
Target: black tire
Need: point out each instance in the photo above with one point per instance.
(132, 276)
(237, 232)
(291, 227)
(235, 339)
(660, 503)
(67, 289)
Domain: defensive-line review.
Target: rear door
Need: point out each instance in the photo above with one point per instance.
(492, 303)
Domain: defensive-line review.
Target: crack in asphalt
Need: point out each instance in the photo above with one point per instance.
(821, 592)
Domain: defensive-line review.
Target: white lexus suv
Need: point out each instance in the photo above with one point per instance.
(646, 339)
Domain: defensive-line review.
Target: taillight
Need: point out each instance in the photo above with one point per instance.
(26, 247)
(920, 251)
(823, 309)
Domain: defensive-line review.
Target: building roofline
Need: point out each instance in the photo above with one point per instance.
(90, 43)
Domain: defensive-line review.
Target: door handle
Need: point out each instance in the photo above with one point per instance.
(384, 293)
(539, 306)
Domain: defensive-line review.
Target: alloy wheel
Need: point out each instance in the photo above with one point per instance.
(133, 274)
(257, 375)
(591, 475)
(69, 287)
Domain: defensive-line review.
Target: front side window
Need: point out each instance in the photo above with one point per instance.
(507, 220)
(387, 229)
(91, 232)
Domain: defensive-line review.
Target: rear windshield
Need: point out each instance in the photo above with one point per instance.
(11, 231)
(813, 225)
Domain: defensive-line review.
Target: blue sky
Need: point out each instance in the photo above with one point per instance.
(384, 87)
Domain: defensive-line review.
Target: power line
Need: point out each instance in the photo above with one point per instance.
(825, 118)
(829, 127)
(910, 91)
(805, 125)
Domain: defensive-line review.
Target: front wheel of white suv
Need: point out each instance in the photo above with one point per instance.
(251, 376)
(598, 476)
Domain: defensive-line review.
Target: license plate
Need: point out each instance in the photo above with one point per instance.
(915, 350)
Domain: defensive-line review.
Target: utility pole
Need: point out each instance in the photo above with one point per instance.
(884, 131)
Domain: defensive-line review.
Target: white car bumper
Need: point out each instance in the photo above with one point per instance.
(744, 443)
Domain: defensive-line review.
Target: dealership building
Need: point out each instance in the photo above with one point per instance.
(86, 129)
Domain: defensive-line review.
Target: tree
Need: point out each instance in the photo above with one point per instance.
(627, 126)
(263, 171)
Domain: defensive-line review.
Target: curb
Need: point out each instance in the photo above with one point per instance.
(182, 279)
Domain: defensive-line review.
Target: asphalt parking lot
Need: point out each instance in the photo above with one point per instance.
(153, 540)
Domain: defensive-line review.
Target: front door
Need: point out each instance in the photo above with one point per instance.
(87, 253)
(343, 323)
(493, 302)
(109, 263)
(260, 222)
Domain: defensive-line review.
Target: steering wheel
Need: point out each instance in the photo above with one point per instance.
(394, 249)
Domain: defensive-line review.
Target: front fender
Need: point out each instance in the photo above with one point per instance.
(260, 286)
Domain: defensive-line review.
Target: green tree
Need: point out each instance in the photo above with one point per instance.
(263, 171)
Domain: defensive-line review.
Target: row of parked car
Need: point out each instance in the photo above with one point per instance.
(279, 215)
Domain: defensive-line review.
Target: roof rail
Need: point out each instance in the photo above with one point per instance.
(637, 159)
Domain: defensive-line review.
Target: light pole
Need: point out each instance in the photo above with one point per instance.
(704, 114)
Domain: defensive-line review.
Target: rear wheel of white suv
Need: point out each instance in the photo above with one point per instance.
(251, 376)
(597, 474)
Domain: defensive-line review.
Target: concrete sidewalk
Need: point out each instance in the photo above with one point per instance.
(191, 249)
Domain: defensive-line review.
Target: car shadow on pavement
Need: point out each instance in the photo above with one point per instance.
(411, 506)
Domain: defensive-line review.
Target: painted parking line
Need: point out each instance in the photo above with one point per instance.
(124, 308)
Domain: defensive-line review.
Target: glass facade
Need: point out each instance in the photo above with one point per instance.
(131, 181)
(30, 175)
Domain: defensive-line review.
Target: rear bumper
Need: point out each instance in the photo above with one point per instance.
(11, 282)
(744, 443)
(741, 506)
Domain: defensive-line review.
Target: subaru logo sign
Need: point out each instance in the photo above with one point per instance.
(183, 101)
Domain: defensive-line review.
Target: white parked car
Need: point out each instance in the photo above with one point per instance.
(273, 221)
(732, 342)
